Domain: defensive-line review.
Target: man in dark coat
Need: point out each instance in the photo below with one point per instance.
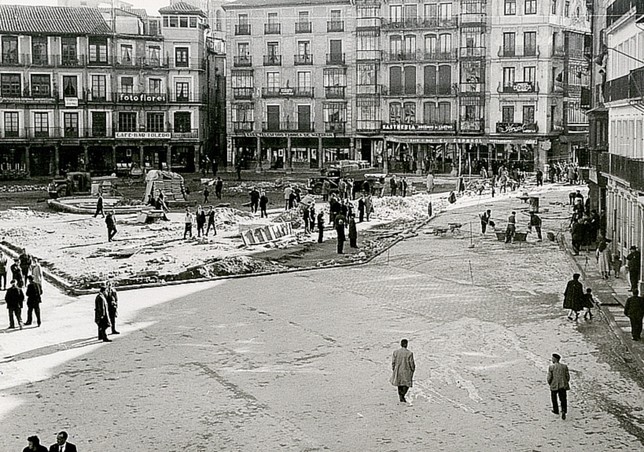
(320, 226)
(16, 273)
(219, 185)
(110, 222)
(574, 296)
(25, 263)
(211, 221)
(206, 194)
(101, 314)
(339, 228)
(539, 177)
(112, 305)
(353, 232)
(634, 310)
(559, 382)
(62, 444)
(403, 368)
(14, 298)
(485, 220)
(634, 260)
(99, 206)
(33, 300)
(577, 234)
(511, 227)
(254, 200)
(263, 204)
(535, 222)
(361, 208)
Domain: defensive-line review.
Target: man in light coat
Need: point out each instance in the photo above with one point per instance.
(403, 367)
(559, 381)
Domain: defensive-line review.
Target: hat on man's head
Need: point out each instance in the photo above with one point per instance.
(556, 356)
(633, 247)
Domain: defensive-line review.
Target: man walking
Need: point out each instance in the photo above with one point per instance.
(110, 221)
(99, 206)
(33, 300)
(101, 314)
(263, 203)
(219, 185)
(25, 263)
(339, 228)
(430, 182)
(485, 220)
(211, 221)
(574, 296)
(403, 367)
(36, 272)
(321, 226)
(188, 224)
(14, 298)
(393, 184)
(511, 228)
(254, 200)
(3, 271)
(559, 381)
(112, 305)
(634, 260)
(206, 194)
(634, 310)
(535, 222)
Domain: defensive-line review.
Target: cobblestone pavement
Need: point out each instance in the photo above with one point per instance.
(301, 362)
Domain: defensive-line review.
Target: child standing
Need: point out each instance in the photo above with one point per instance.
(589, 303)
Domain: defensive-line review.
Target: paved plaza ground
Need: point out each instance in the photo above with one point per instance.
(301, 361)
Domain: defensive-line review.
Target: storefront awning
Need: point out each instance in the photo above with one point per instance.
(458, 140)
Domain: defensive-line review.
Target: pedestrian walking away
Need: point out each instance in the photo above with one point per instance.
(33, 445)
(634, 260)
(33, 301)
(112, 305)
(211, 221)
(574, 297)
(188, 224)
(485, 220)
(101, 314)
(535, 222)
(99, 206)
(263, 203)
(353, 232)
(62, 445)
(321, 226)
(254, 199)
(219, 185)
(110, 222)
(206, 194)
(559, 381)
(403, 368)
(634, 310)
(14, 299)
(3, 271)
(511, 228)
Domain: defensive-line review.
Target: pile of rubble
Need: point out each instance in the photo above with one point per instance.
(396, 207)
(229, 215)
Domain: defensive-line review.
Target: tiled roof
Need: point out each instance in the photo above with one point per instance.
(181, 7)
(52, 20)
(238, 4)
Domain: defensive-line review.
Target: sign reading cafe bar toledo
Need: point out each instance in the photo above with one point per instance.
(142, 98)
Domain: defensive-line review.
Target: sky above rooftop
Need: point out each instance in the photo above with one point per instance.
(151, 6)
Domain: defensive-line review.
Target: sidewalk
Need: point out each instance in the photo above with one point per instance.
(611, 293)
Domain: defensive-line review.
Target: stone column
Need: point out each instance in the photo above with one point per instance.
(141, 157)
(287, 155)
(320, 154)
(114, 156)
(259, 155)
(56, 160)
(85, 157)
(168, 150)
(27, 158)
(385, 156)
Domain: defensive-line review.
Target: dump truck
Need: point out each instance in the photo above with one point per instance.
(78, 183)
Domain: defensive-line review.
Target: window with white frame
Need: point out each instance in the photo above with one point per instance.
(40, 85)
(155, 122)
(127, 85)
(99, 87)
(182, 91)
(11, 124)
(41, 124)
(126, 54)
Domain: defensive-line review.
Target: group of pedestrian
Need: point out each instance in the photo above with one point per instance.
(106, 310)
(204, 219)
(292, 197)
(576, 300)
(61, 444)
(26, 274)
(567, 172)
(398, 187)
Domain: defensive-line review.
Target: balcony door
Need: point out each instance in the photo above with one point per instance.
(335, 48)
(273, 117)
(304, 118)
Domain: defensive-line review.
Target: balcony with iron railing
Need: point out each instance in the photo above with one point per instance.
(439, 89)
(472, 52)
(516, 127)
(75, 133)
(629, 169)
(368, 125)
(243, 61)
(368, 26)
(519, 52)
(302, 59)
(334, 92)
(450, 55)
(619, 8)
(473, 19)
(242, 29)
(334, 26)
(288, 126)
(471, 125)
(272, 29)
(368, 55)
(243, 126)
(629, 86)
(243, 93)
(369, 90)
(518, 88)
(335, 59)
(287, 91)
(440, 22)
(303, 27)
(416, 90)
(335, 127)
(272, 60)
(411, 55)
(471, 88)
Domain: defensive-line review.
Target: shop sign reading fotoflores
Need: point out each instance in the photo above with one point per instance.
(142, 98)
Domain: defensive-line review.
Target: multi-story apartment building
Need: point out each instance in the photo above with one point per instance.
(292, 80)
(617, 176)
(79, 93)
(427, 81)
